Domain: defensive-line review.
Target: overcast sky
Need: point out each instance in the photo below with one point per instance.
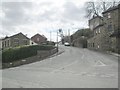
(41, 16)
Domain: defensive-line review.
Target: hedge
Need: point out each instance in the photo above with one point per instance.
(14, 54)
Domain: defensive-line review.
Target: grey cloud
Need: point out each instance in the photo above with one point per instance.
(14, 16)
(73, 12)
(46, 4)
(48, 15)
(14, 13)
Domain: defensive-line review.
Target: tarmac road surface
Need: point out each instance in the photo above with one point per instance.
(75, 68)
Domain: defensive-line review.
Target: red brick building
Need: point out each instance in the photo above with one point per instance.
(39, 39)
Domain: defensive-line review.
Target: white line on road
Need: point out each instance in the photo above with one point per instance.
(67, 65)
(82, 56)
(99, 63)
(64, 67)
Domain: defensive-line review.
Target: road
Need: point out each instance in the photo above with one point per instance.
(75, 68)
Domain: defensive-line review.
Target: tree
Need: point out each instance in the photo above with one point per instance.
(96, 8)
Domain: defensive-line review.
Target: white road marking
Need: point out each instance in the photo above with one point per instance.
(108, 75)
(82, 56)
(99, 63)
(59, 69)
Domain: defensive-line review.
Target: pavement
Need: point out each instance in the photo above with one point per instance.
(116, 54)
(74, 68)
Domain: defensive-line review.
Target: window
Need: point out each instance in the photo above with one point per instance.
(109, 27)
(93, 45)
(109, 15)
(114, 27)
(99, 30)
(8, 43)
(16, 42)
(2, 44)
(98, 46)
(5, 43)
(25, 42)
(96, 32)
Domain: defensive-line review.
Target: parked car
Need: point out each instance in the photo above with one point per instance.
(67, 44)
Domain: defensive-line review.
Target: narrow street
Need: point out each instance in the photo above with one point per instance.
(75, 68)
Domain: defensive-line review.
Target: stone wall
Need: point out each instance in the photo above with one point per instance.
(15, 41)
(80, 42)
(44, 54)
(40, 56)
(100, 41)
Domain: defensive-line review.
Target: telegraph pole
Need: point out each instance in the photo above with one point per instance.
(69, 36)
(57, 41)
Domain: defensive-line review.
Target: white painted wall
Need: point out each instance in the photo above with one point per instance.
(32, 43)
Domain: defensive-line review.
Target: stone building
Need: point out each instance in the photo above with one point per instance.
(99, 38)
(15, 41)
(79, 38)
(112, 26)
(39, 39)
(0, 43)
(106, 31)
(80, 42)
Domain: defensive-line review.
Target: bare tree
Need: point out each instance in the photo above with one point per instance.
(96, 8)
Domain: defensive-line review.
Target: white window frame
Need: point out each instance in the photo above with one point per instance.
(109, 15)
(99, 30)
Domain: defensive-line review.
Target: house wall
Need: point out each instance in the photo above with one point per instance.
(95, 21)
(100, 41)
(112, 25)
(80, 42)
(39, 39)
(90, 42)
(103, 41)
(19, 40)
(33, 43)
(14, 41)
(111, 20)
(6, 43)
(0, 44)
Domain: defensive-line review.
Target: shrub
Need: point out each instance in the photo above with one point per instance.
(14, 54)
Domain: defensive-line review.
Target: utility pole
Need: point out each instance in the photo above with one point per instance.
(57, 41)
(69, 36)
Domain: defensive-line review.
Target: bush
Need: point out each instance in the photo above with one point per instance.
(14, 54)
